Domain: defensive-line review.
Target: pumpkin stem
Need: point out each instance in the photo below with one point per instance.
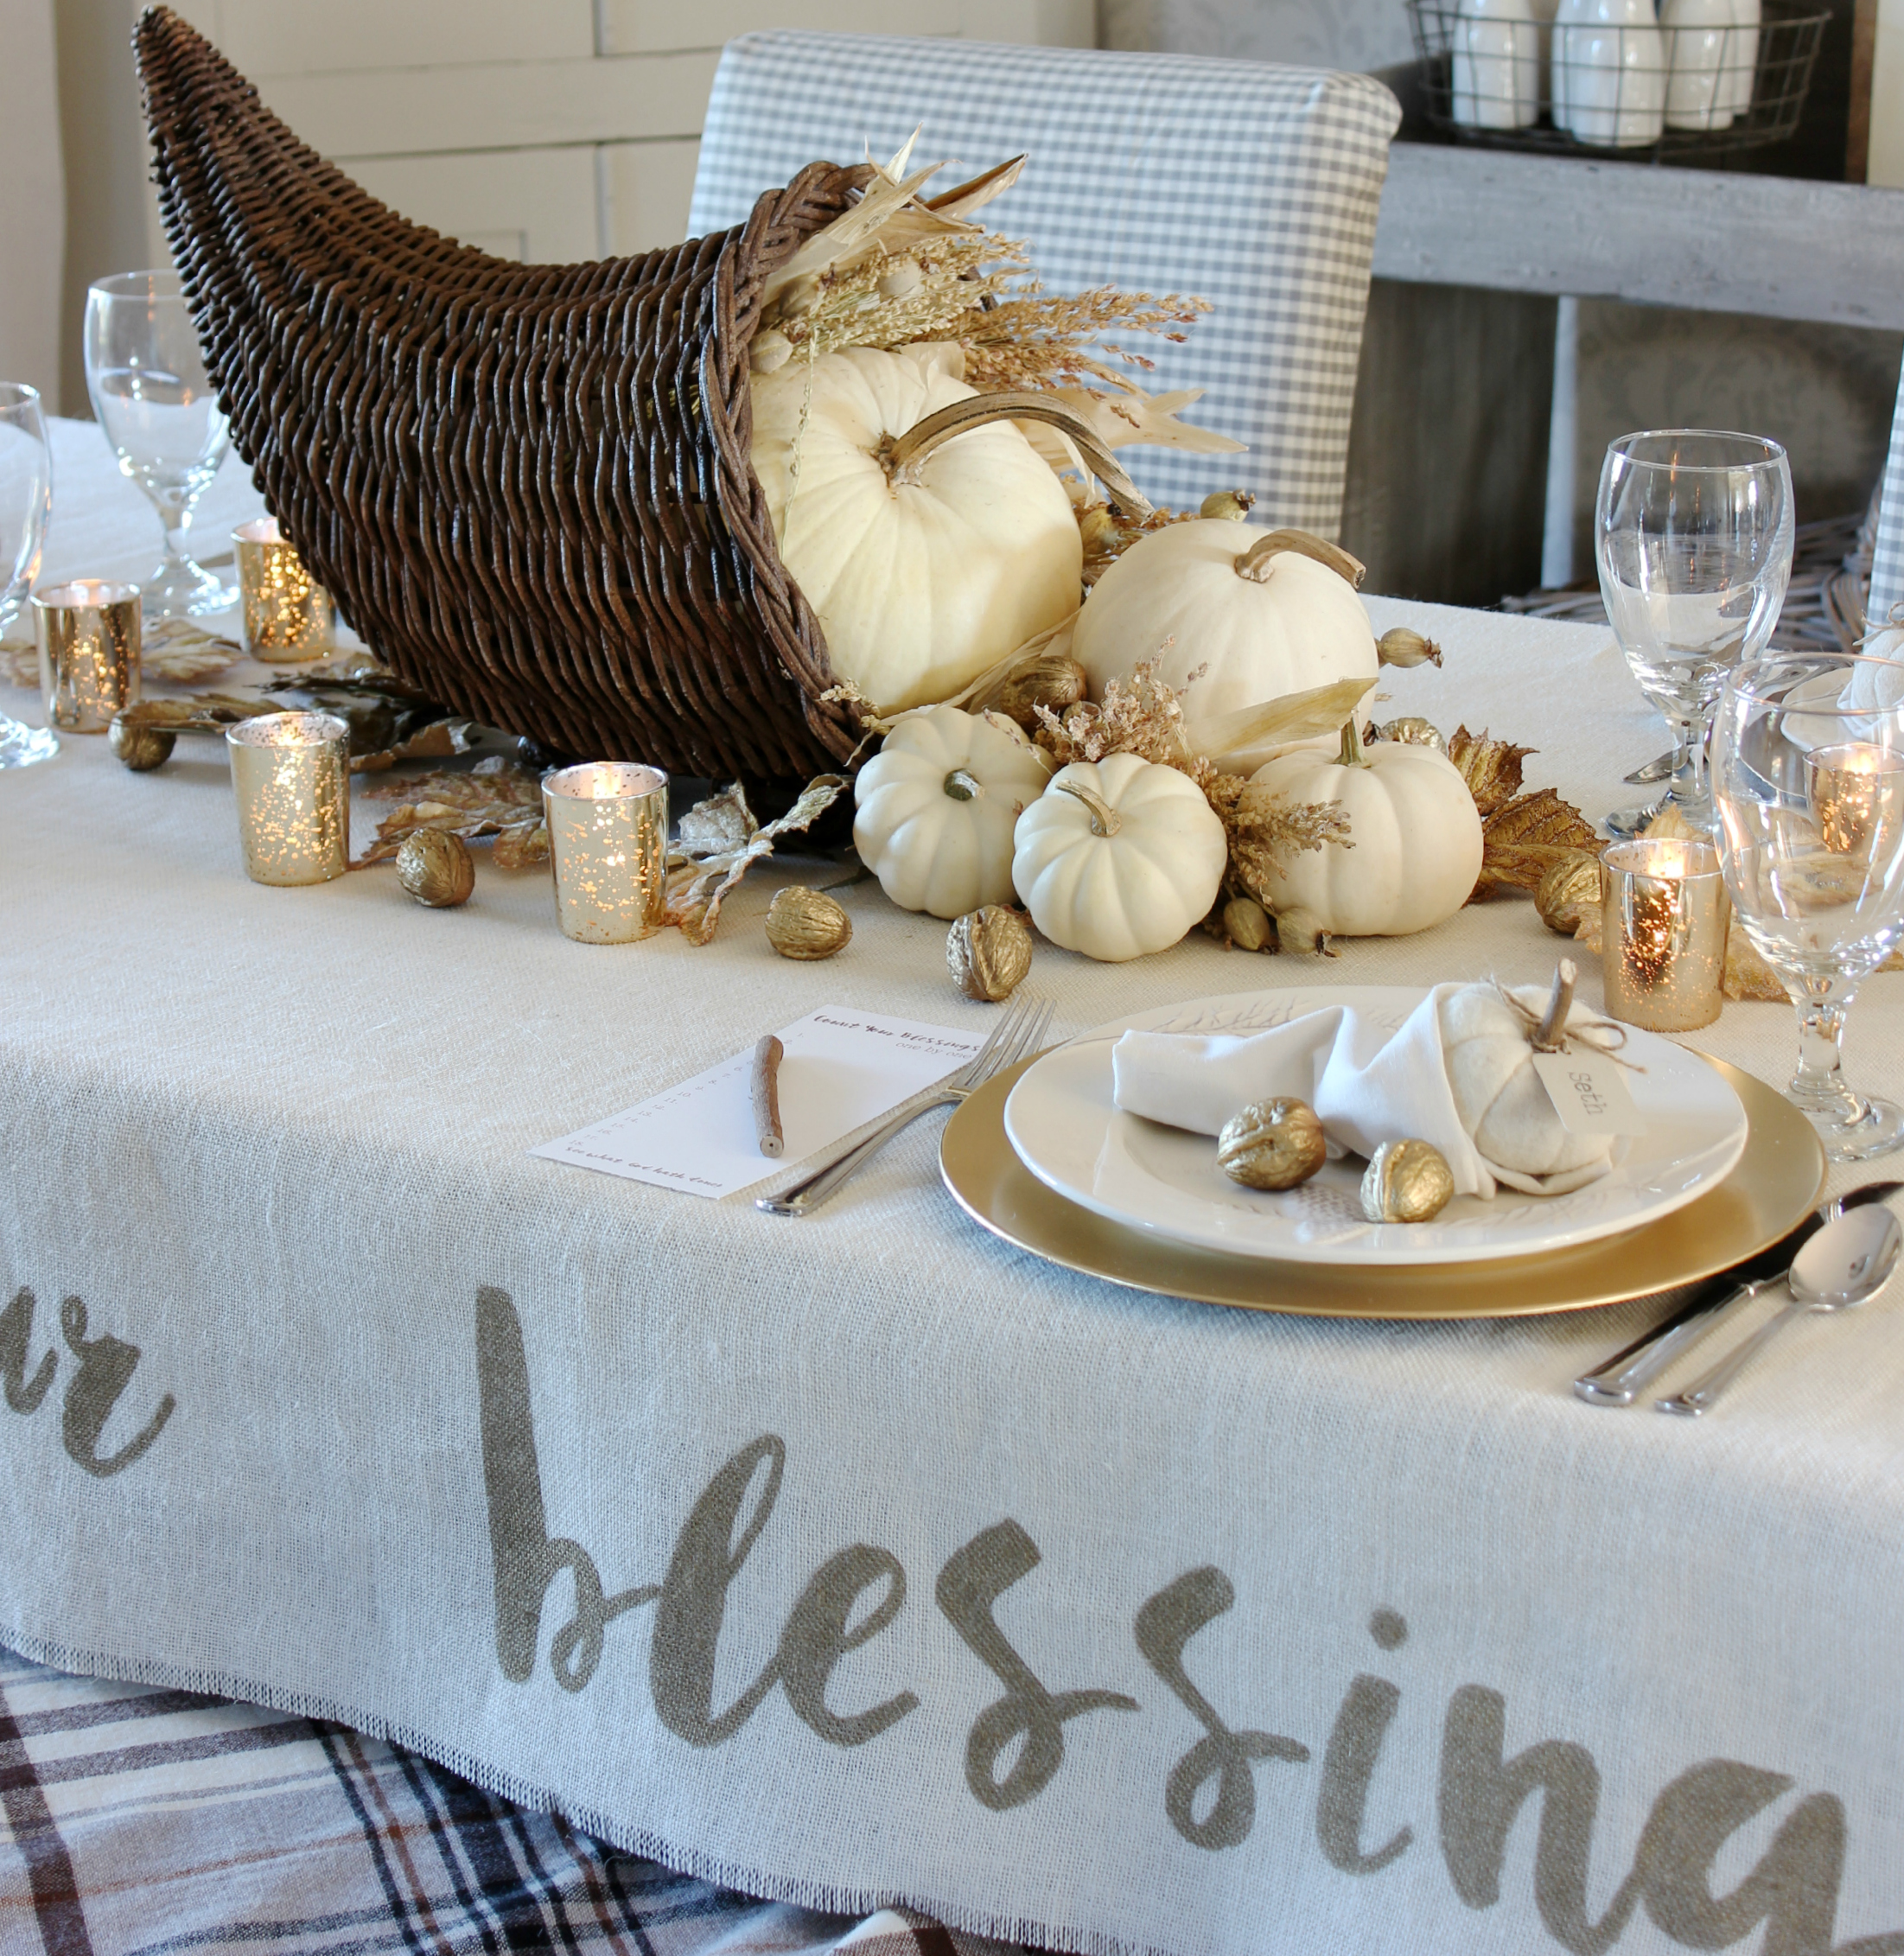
(1105, 819)
(904, 458)
(1550, 1034)
(1352, 755)
(963, 786)
(1256, 562)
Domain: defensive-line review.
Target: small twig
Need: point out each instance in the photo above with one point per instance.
(767, 1056)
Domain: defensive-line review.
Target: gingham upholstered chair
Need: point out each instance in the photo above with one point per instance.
(1253, 186)
(1888, 552)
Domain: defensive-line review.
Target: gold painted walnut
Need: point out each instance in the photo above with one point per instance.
(1272, 1145)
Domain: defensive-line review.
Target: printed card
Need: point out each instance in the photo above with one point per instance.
(842, 1069)
(1589, 1092)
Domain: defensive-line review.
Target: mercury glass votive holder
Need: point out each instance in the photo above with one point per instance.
(1856, 792)
(291, 775)
(287, 616)
(1664, 917)
(608, 849)
(88, 637)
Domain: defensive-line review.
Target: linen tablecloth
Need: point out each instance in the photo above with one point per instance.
(863, 1559)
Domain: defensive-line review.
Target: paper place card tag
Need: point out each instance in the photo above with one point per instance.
(1589, 1093)
(842, 1068)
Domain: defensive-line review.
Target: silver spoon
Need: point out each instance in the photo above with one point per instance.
(1847, 1262)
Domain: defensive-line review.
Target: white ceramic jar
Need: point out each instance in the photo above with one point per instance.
(1497, 65)
(1609, 73)
(1700, 46)
(1741, 58)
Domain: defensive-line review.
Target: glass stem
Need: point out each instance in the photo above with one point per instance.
(1818, 1085)
(1689, 762)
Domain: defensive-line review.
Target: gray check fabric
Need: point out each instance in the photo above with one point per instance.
(1887, 555)
(136, 1820)
(1254, 187)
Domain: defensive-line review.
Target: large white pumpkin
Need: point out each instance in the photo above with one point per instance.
(1119, 857)
(938, 806)
(1415, 840)
(1261, 624)
(921, 577)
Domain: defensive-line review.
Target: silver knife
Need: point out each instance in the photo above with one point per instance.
(1627, 1373)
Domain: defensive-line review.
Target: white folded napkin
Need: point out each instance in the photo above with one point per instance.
(1448, 1074)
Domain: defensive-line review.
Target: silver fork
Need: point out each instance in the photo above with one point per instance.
(1017, 1034)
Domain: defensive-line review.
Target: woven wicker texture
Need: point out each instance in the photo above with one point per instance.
(528, 486)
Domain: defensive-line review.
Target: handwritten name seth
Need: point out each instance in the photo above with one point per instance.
(1016, 1745)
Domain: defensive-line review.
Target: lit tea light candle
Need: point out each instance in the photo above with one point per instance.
(1663, 917)
(291, 775)
(287, 616)
(88, 636)
(1856, 792)
(608, 849)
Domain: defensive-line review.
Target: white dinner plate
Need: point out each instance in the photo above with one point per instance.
(1067, 1131)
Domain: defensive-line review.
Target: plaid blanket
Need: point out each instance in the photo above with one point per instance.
(144, 1821)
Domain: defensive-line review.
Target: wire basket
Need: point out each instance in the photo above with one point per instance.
(1637, 91)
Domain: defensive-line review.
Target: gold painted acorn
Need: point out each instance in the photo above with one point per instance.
(1272, 1145)
(806, 924)
(1568, 890)
(1407, 1182)
(434, 867)
(988, 952)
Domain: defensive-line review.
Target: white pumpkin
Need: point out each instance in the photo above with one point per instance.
(1119, 857)
(1261, 622)
(938, 806)
(1503, 1103)
(922, 575)
(1415, 840)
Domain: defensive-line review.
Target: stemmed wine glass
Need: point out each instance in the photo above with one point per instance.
(1808, 776)
(26, 501)
(1692, 533)
(153, 399)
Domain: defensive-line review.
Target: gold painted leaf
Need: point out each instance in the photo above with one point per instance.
(1490, 768)
(1523, 839)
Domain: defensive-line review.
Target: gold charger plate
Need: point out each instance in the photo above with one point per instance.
(1778, 1182)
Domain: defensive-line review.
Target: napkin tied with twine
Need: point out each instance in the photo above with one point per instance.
(1449, 1074)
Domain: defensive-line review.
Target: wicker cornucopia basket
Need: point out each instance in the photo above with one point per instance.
(528, 486)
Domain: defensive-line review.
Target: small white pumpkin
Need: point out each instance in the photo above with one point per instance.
(1119, 857)
(922, 570)
(938, 806)
(1261, 616)
(1415, 840)
(1503, 1103)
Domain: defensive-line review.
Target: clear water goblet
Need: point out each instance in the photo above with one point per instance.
(26, 502)
(1692, 535)
(1808, 779)
(153, 399)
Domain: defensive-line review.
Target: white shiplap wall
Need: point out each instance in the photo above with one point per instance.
(543, 130)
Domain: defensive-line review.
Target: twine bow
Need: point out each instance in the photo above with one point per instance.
(1550, 1032)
